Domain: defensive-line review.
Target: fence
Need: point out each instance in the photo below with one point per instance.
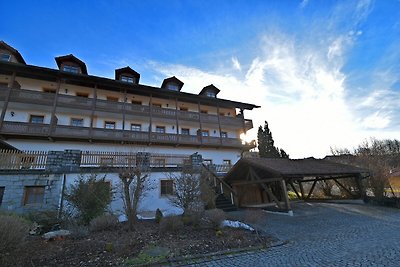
(16, 160)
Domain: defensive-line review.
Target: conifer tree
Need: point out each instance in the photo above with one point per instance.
(266, 146)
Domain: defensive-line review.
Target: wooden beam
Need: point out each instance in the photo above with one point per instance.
(124, 109)
(94, 100)
(257, 181)
(7, 98)
(53, 121)
(285, 195)
(346, 189)
(312, 189)
(268, 190)
(294, 189)
(301, 190)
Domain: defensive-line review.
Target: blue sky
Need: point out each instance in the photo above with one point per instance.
(326, 73)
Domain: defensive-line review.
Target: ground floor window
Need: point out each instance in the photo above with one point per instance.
(1, 194)
(33, 195)
(167, 187)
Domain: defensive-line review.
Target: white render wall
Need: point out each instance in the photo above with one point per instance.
(216, 155)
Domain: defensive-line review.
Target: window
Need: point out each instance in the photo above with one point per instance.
(72, 69)
(205, 133)
(127, 79)
(82, 94)
(36, 119)
(160, 129)
(156, 105)
(1, 194)
(136, 127)
(185, 131)
(159, 163)
(224, 134)
(77, 122)
(5, 57)
(173, 87)
(222, 114)
(210, 94)
(167, 187)
(207, 161)
(226, 162)
(112, 98)
(135, 102)
(109, 124)
(49, 90)
(33, 195)
(203, 111)
(183, 108)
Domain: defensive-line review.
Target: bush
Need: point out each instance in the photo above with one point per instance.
(193, 218)
(103, 222)
(90, 196)
(215, 217)
(45, 221)
(13, 230)
(170, 224)
(159, 216)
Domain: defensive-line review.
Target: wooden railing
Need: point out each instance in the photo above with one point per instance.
(212, 175)
(76, 132)
(16, 160)
(77, 102)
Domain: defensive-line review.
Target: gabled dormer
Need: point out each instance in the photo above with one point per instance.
(210, 91)
(172, 83)
(72, 64)
(127, 75)
(9, 54)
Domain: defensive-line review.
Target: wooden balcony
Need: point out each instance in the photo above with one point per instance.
(83, 103)
(64, 132)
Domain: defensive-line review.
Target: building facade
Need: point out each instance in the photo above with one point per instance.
(51, 111)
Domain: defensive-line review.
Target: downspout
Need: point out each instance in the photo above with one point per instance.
(61, 204)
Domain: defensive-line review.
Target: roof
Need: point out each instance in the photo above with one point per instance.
(172, 79)
(36, 72)
(289, 168)
(71, 58)
(127, 69)
(211, 88)
(14, 51)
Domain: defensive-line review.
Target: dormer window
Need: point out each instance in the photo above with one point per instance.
(210, 94)
(69, 68)
(172, 87)
(172, 84)
(127, 79)
(5, 57)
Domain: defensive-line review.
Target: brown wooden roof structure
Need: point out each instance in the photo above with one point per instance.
(128, 70)
(71, 58)
(12, 50)
(174, 80)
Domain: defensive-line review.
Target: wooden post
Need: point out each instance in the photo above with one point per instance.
(7, 98)
(124, 109)
(302, 190)
(201, 127)
(93, 110)
(53, 121)
(177, 121)
(151, 116)
(285, 194)
(219, 126)
(312, 189)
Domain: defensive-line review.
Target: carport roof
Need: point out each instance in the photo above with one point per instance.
(288, 168)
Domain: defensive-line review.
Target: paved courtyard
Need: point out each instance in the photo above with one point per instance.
(326, 234)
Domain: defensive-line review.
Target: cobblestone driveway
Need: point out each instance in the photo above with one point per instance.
(326, 234)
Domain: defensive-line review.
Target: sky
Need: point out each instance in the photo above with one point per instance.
(325, 73)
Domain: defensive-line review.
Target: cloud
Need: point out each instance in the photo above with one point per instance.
(304, 3)
(235, 63)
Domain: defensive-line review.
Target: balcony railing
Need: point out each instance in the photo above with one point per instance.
(74, 132)
(77, 102)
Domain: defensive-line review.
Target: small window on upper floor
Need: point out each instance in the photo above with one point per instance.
(183, 109)
(49, 90)
(224, 134)
(226, 162)
(160, 129)
(185, 131)
(222, 114)
(112, 98)
(172, 87)
(205, 133)
(135, 102)
(203, 111)
(5, 57)
(127, 79)
(82, 94)
(109, 124)
(156, 105)
(36, 119)
(72, 69)
(136, 127)
(210, 94)
(77, 122)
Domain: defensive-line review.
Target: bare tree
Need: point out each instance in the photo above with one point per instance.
(187, 191)
(135, 186)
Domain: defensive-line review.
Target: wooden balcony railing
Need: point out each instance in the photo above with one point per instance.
(17, 160)
(84, 103)
(9, 128)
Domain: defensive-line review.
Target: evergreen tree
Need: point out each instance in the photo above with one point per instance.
(266, 146)
(283, 154)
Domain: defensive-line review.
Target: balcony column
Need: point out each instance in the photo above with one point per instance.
(243, 121)
(201, 127)
(219, 125)
(177, 120)
(124, 110)
(151, 115)
(53, 119)
(93, 110)
(7, 99)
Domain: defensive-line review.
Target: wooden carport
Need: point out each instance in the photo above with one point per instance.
(265, 180)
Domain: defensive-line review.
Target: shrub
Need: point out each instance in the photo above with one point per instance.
(193, 218)
(215, 217)
(90, 196)
(170, 224)
(103, 222)
(45, 221)
(159, 216)
(13, 230)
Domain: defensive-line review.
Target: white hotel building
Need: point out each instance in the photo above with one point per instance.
(44, 110)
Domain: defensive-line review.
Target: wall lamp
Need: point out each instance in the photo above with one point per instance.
(12, 113)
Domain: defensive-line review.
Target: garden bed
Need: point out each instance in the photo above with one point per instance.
(120, 246)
